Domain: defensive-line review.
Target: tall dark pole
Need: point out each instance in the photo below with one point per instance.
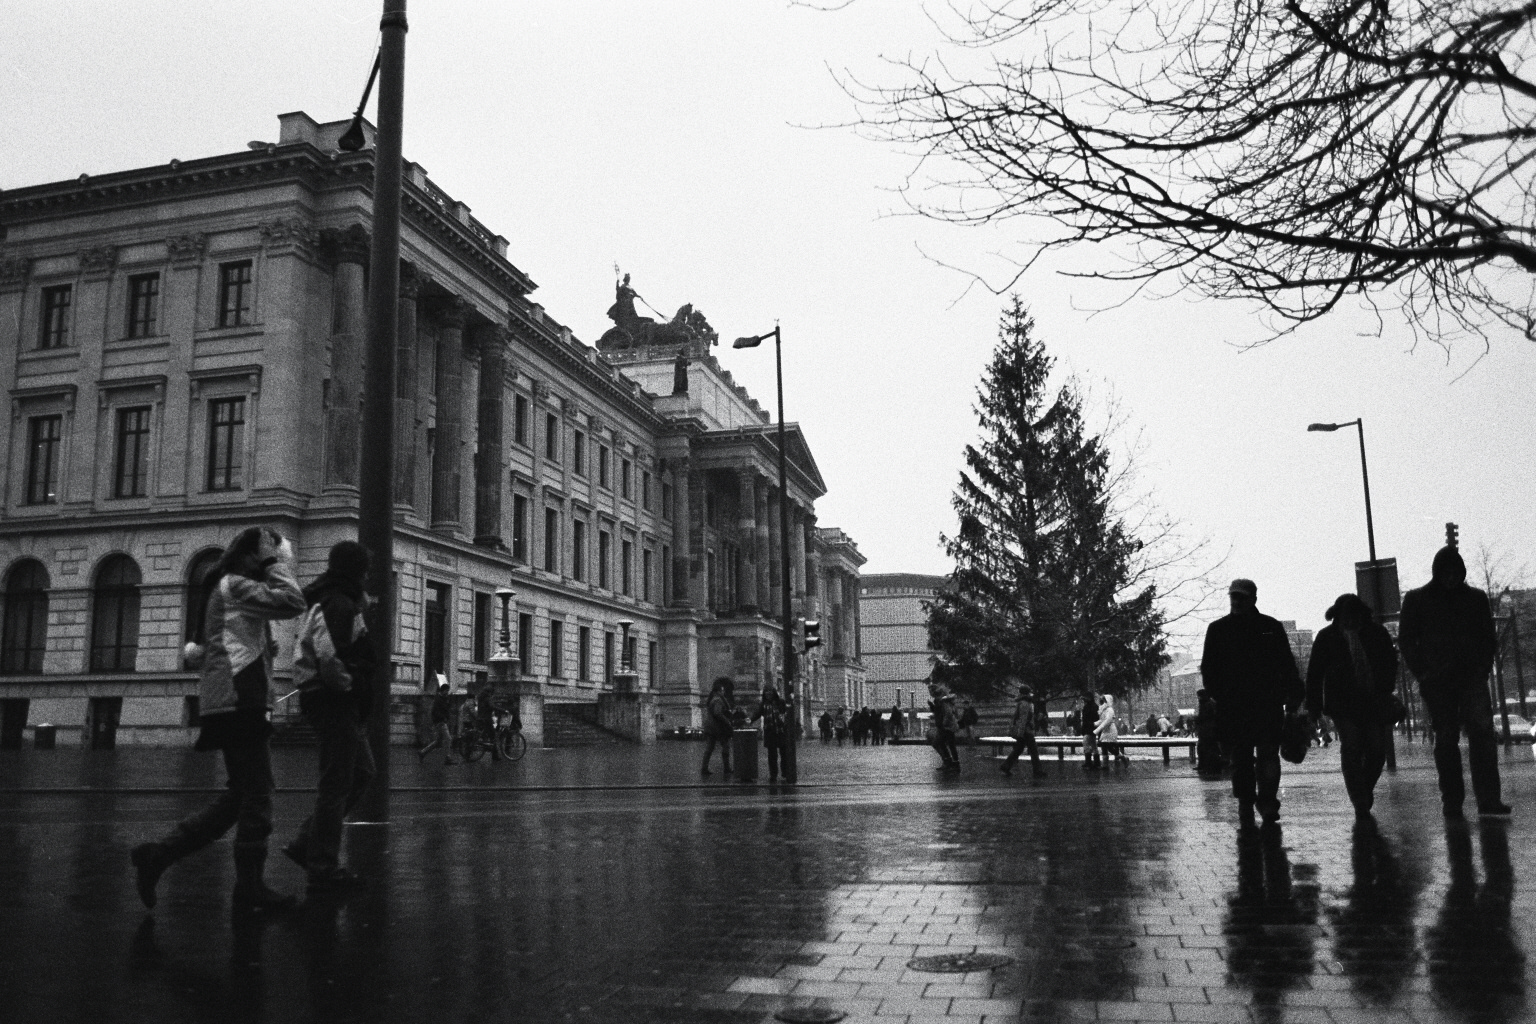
(375, 512)
(785, 604)
(1370, 525)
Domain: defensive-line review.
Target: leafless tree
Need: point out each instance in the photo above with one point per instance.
(1294, 152)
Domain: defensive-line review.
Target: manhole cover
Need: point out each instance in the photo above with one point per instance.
(809, 1015)
(959, 963)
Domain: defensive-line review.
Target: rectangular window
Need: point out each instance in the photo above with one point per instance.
(650, 663)
(226, 443)
(626, 566)
(525, 641)
(646, 558)
(434, 657)
(578, 550)
(556, 648)
(583, 652)
(645, 489)
(666, 500)
(609, 668)
(53, 331)
(43, 459)
(481, 642)
(579, 453)
(552, 437)
(235, 293)
(520, 528)
(604, 555)
(131, 475)
(602, 465)
(520, 420)
(143, 305)
(624, 477)
(551, 540)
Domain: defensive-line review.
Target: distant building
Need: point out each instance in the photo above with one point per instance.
(897, 657)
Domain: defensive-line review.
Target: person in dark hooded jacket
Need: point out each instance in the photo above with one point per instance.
(1350, 678)
(333, 668)
(1448, 641)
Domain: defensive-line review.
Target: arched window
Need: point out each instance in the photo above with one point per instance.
(25, 631)
(115, 615)
(198, 591)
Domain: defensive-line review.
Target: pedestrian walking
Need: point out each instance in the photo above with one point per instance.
(1088, 720)
(840, 725)
(485, 721)
(1448, 640)
(441, 736)
(1250, 673)
(1022, 729)
(251, 585)
(1350, 679)
(946, 723)
(333, 670)
(774, 711)
(968, 720)
(824, 723)
(1107, 731)
(719, 714)
(877, 728)
(896, 728)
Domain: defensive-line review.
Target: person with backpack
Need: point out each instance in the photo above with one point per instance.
(251, 586)
(441, 737)
(333, 670)
(774, 711)
(719, 711)
(1022, 729)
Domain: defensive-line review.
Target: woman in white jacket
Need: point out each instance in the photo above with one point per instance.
(1107, 731)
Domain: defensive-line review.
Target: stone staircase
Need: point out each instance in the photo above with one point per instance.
(576, 725)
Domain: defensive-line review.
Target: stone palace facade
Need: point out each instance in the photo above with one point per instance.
(183, 349)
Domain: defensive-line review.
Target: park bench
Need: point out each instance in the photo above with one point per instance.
(1064, 744)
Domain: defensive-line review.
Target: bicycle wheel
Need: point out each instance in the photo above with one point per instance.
(474, 750)
(513, 745)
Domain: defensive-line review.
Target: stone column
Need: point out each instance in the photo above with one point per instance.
(746, 525)
(490, 458)
(698, 575)
(406, 415)
(682, 519)
(762, 547)
(349, 325)
(447, 454)
(776, 581)
(797, 554)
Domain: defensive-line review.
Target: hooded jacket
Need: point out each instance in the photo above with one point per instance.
(333, 652)
(237, 657)
(1446, 632)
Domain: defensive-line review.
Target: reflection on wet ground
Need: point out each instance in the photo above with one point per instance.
(1131, 898)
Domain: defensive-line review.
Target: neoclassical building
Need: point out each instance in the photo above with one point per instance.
(183, 350)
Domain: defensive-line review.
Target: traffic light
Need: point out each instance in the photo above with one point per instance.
(812, 634)
(1450, 534)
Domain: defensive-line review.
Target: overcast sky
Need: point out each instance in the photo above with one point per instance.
(677, 140)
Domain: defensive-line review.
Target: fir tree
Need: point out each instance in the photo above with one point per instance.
(1045, 584)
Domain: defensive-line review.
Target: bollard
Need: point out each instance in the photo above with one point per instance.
(44, 736)
(744, 745)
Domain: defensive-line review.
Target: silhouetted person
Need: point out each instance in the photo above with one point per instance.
(1448, 641)
(1022, 729)
(1350, 679)
(251, 585)
(1250, 673)
(719, 710)
(774, 711)
(333, 669)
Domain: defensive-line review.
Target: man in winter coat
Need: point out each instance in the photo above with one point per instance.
(1250, 674)
(252, 585)
(333, 669)
(1022, 729)
(1447, 638)
(441, 737)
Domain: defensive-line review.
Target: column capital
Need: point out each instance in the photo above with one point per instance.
(452, 311)
(410, 281)
(350, 244)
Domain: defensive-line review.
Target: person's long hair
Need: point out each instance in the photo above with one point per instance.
(234, 558)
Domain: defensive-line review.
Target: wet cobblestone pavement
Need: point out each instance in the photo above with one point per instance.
(1124, 895)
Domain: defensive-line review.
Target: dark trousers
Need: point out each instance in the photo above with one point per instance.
(774, 750)
(1020, 744)
(1256, 774)
(346, 769)
(245, 805)
(724, 742)
(1362, 753)
(1453, 711)
(944, 743)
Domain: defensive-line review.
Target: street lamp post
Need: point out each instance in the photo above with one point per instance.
(1370, 536)
(376, 502)
(785, 610)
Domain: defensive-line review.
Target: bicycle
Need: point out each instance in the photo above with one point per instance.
(506, 738)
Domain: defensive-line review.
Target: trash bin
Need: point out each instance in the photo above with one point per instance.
(744, 744)
(43, 736)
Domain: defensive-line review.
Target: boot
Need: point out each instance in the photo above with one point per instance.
(251, 892)
(149, 862)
